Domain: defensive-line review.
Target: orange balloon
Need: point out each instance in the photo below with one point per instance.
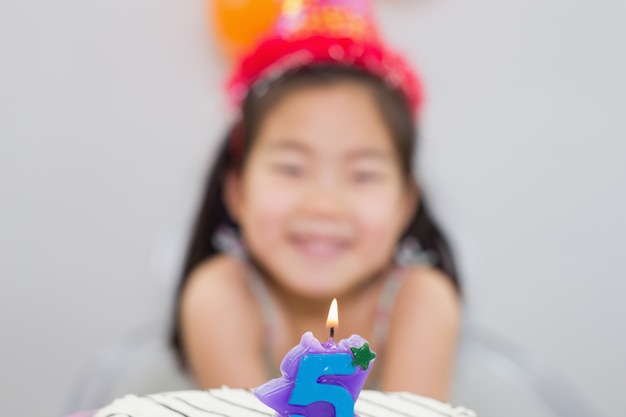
(238, 24)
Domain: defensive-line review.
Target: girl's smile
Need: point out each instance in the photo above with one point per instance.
(320, 240)
(319, 247)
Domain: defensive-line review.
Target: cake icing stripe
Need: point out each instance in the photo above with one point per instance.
(224, 402)
(424, 402)
(363, 402)
(245, 396)
(196, 407)
(231, 402)
(195, 404)
(167, 406)
(434, 406)
(399, 410)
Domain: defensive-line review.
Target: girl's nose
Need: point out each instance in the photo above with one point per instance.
(324, 197)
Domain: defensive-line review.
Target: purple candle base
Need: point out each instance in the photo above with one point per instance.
(319, 379)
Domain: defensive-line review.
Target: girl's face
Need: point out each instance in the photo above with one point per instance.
(321, 200)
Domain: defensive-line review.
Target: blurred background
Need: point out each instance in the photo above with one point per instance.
(110, 112)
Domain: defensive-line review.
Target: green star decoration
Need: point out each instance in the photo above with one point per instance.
(362, 356)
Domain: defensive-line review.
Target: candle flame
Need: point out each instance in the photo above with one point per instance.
(333, 315)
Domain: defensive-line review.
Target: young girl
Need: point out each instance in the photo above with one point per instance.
(315, 182)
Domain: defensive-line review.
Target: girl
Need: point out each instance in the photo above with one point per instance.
(316, 182)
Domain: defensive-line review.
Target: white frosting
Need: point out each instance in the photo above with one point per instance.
(228, 402)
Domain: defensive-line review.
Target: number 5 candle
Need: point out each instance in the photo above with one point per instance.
(320, 379)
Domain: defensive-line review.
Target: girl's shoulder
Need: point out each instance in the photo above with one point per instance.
(425, 278)
(219, 285)
(221, 272)
(217, 307)
(423, 333)
(425, 290)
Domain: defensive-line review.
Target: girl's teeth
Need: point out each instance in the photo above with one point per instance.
(320, 248)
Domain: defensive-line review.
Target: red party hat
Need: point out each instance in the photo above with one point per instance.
(310, 32)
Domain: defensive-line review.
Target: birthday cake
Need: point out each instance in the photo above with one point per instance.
(226, 402)
(318, 380)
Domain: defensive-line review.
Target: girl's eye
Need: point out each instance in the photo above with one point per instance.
(365, 177)
(290, 170)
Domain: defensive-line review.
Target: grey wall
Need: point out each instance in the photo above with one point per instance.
(109, 111)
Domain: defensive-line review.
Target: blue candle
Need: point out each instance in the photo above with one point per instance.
(320, 379)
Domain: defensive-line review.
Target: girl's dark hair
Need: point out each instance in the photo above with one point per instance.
(234, 150)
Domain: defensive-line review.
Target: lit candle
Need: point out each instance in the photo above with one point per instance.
(333, 318)
(320, 379)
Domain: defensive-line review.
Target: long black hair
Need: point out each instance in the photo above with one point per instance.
(233, 152)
